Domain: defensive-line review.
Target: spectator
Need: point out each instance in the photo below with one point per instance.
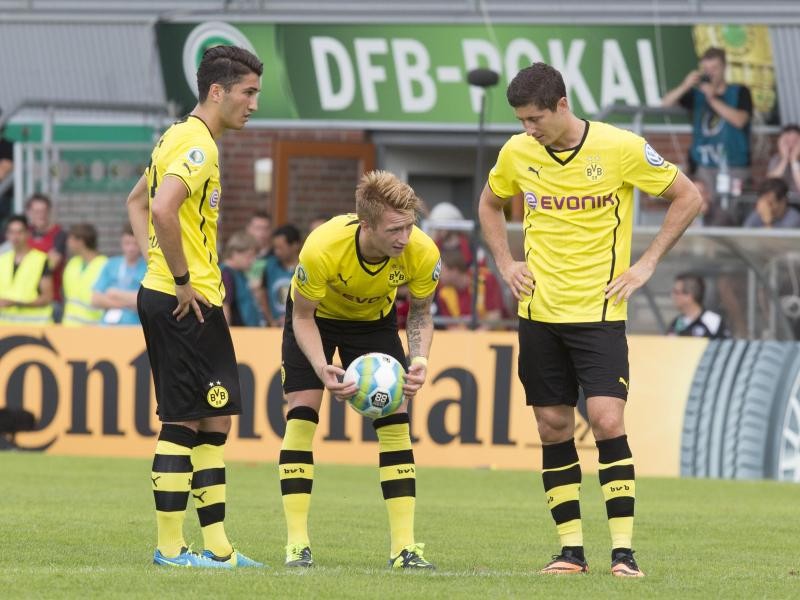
(118, 285)
(80, 276)
(51, 239)
(448, 238)
(785, 163)
(317, 221)
(688, 291)
(259, 227)
(26, 286)
(721, 114)
(711, 214)
(454, 297)
(239, 305)
(279, 271)
(772, 207)
(6, 178)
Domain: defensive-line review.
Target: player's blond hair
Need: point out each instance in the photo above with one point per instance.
(379, 190)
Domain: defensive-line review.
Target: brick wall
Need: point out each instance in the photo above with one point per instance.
(317, 185)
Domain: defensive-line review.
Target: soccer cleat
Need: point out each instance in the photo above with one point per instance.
(411, 557)
(566, 563)
(624, 565)
(235, 560)
(187, 558)
(298, 555)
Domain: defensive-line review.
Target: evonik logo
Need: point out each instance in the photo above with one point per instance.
(575, 202)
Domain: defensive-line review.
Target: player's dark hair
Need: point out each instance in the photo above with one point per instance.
(289, 231)
(379, 190)
(714, 53)
(790, 127)
(775, 185)
(85, 232)
(225, 65)
(540, 85)
(693, 285)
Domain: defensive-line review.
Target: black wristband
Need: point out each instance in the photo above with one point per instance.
(182, 280)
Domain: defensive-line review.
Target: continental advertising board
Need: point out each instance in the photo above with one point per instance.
(91, 392)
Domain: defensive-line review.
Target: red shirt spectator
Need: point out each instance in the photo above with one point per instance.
(47, 237)
(454, 296)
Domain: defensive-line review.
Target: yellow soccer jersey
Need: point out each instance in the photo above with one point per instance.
(188, 151)
(578, 216)
(333, 272)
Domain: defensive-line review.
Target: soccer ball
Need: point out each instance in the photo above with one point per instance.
(380, 380)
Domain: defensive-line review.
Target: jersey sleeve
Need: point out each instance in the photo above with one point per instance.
(643, 167)
(311, 275)
(428, 268)
(193, 162)
(501, 178)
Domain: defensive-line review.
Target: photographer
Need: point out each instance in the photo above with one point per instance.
(721, 114)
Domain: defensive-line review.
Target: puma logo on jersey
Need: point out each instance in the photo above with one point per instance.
(623, 382)
(343, 280)
(532, 170)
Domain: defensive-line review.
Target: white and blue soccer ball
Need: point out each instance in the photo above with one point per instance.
(380, 380)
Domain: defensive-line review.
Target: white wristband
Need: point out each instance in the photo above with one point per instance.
(420, 360)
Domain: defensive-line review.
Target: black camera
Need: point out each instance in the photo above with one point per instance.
(705, 78)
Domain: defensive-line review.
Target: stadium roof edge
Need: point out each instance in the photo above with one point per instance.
(765, 15)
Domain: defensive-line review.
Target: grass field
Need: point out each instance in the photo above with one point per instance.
(85, 527)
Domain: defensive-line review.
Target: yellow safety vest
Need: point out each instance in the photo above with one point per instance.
(79, 279)
(23, 286)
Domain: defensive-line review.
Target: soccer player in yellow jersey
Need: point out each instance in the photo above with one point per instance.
(576, 179)
(342, 296)
(173, 211)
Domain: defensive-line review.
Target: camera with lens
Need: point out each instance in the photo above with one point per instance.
(705, 78)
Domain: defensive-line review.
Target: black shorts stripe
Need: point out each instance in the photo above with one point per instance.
(305, 413)
(395, 419)
(208, 515)
(171, 501)
(297, 485)
(616, 473)
(212, 438)
(555, 456)
(172, 463)
(396, 457)
(621, 506)
(207, 477)
(613, 450)
(566, 511)
(178, 434)
(568, 476)
(398, 488)
(296, 456)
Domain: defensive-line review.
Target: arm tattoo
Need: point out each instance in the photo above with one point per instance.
(419, 325)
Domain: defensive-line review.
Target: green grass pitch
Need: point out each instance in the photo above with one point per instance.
(85, 527)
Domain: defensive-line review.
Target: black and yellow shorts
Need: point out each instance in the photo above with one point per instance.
(351, 338)
(193, 364)
(556, 358)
